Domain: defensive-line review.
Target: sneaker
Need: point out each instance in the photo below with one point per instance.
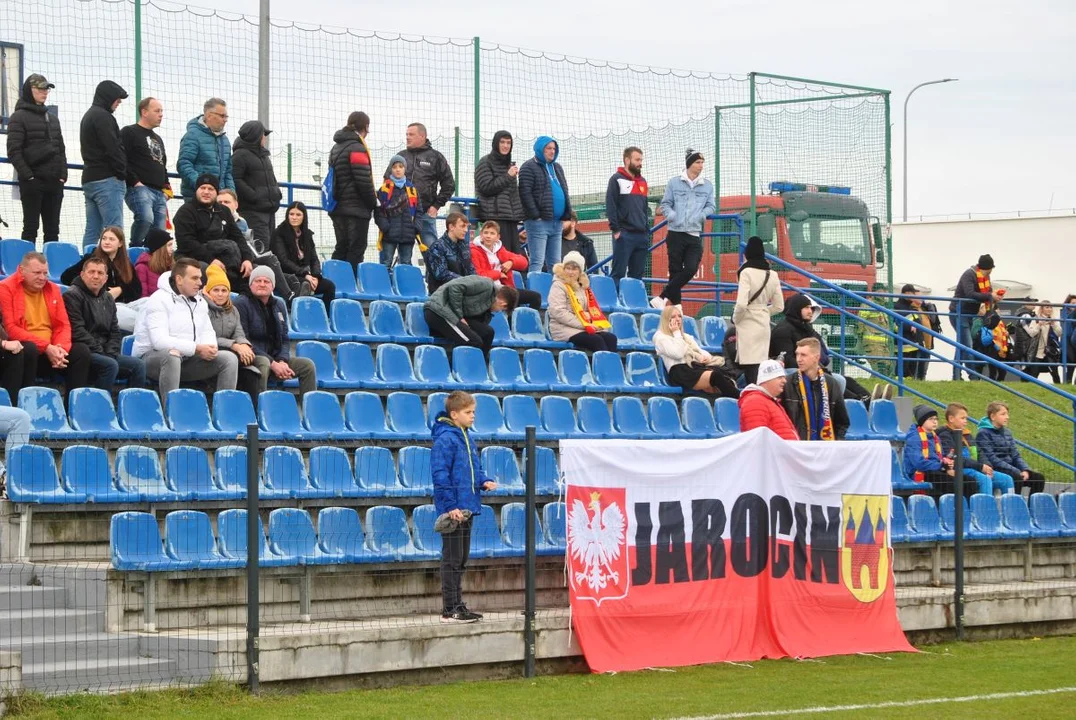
(472, 613)
(877, 392)
(305, 290)
(887, 393)
(460, 617)
(657, 302)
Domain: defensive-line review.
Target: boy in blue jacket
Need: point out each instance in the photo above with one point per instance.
(998, 447)
(457, 481)
(924, 460)
(985, 477)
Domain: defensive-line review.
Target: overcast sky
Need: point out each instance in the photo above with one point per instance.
(1000, 139)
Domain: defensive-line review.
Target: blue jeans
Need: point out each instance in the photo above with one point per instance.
(962, 325)
(15, 426)
(986, 485)
(104, 370)
(543, 244)
(149, 208)
(401, 251)
(629, 255)
(427, 228)
(104, 207)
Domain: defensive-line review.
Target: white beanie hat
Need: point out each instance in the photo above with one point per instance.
(577, 259)
(770, 370)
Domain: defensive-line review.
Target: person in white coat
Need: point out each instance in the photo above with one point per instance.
(758, 298)
(175, 336)
(686, 364)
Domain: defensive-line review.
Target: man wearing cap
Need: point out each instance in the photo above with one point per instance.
(628, 210)
(760, 402)
(688, 199)
(104, 163)
(204, 149)
(175, 337)
(255, 181)
(972, 291)
(207, 233)
(265, 323)
(148, 188)
(35, 147)
(812, 398)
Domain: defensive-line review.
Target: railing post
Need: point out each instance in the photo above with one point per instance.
(958, 356)
(254, 546)
(842, 341)
(477, 102)
(456, 159)
(529, 603)
(958, 536)
(900, 357)
(291, 187)
(137, 56)
(754, 216)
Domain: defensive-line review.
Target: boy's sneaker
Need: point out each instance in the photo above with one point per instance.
(472, 613)
(657, 302)
(305, 289)
(459, 617)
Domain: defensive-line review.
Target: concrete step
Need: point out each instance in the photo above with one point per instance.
(25, 625)
(98, 675)
(15, 573)
(78, 647)
(30, 597)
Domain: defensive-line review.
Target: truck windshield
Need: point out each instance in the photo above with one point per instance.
(830, 239)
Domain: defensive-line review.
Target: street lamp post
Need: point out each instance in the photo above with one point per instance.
(906, 99)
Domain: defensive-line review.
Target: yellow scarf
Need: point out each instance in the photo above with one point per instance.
(983, 281)
(926, 443)
(597, 317)
(1001, 339)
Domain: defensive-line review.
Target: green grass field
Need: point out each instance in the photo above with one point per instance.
(777, 688)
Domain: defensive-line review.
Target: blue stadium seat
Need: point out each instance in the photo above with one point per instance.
(502, 334)
(374, 282)
(427, 540)
(605, 293)
(349, 321)
(1066, 507)
(386, 322)
(324, 366)
(1045, 518)
(233, 411)
(925, 522)
(469, 366)
(11, 252)
(521, 411)
(575, 370)
(902, 483)
(726, 416)
(409, 284)
(507, 373)
(341, 537)
(138, 470)
(135, 544)
(291, 535)
(355, 364)
(859, 422)
(499, 464)
(548, 481)
(47, 414)
(416, 476)
(594, 419)
(435, 405)
(986, 520)
(489, 422)
(558, 417)
(486, 539)
(626, 331)
(309, 321)
(713, 330)
(365, 414)
(375, 473)
(232, 533)
(540, 369)
(188, 414)
(609, 372)
(134, 253)
(284, 475)
(884, 422)
(517, 279)
(541, 283)
(59, 256)
(553, 521)
(85, 472)
(407, 417)
(330, 473)
(629, 418)
(899, 528)
(416, 324)
(514, 531)
(342, 276)
(5, 399)
(947, 515)
(92, 412)
(32, 477)
(189, 539)
(643, 375)
(127, 345)
(698, 418)
(1016, 518)
(186, 468)
(432, 369)
(278, 416)
(633, 297)
(387, 533)
(527, 328)
(664, 417)
(324, 419)
(648, 325)
(691, 328)
(394, 367)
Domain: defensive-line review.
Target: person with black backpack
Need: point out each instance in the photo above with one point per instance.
(348, 193)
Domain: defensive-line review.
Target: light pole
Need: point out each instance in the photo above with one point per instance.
(906, 99)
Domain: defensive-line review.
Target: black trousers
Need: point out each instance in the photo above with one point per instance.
(1035, 482)
(262, 224)
(510, 237)
(530, 298)
(685, 254)
(41, 201)
(17, 371)
(455, 549)
(913, 365)
(594, 343)
(77, 372)
(475, 333)
(352, 235)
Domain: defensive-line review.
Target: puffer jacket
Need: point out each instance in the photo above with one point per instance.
(197, 225)
(353, 179)
(759, 409)
(913, 453)
(171, 321)
(252, 168)
(93, 319)
(456, 469)
(146, 277)
(35, 144)
(497, 191)
(563, 322)
(432, 175)
(396, 212)
(465, 297)
(488, 262)
(201, 151)
(447, 260)
(536, 189)
(227, 324)
(13, 313)
(793, 328)
(99, 136)
(998, 449)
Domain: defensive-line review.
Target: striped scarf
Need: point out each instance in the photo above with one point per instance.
(926, 444)
(826, 431)
(983, 281)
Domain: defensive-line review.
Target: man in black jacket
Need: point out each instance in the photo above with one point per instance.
(147, 171)
(255, 181)
(628, 211)
(265, 323)
(92, 313)
(207, 233)
(430, 173)
(972, 291)
(812, 398)
(35, 148)
(353, 189)
(104, 172)
(496, 182)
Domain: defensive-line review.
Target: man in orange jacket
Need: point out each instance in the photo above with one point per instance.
(35, 315)
(760, 403)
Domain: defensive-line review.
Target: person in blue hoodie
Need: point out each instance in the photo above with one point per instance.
(628, 212)
(205, 150)
(458, 480)
(546, 203)
(997, 446)
(924, 459)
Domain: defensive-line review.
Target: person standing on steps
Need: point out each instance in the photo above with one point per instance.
(543, 190)
(353, 189)
(148, 189)
(758, 298)
(104, 163)
(973, 290)
(496, 181)
(628, 211)
(431, 175)
(35, 148)
(688, 200)
(205, 150)
(256, 185)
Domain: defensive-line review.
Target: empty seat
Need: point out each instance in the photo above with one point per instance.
(189, 539)
(1017, 519)
(188, 414)
(626, 331)
(138, 470)
(489, 422)
(514, 531)
(92, 411)
(309, 321)
(135, 544)
(284, 475)
(233, 411)
(341, 537)
(540, 370)
(342, 276)
(415, 321)
(12, 251)
(278, 415)
(427, 540)
(365, 415)
(884, 422)
(648, 325)
(32, 477)
(664, 417)
(947, 514)
(407, 417)
(859, 422)
(553, 521)
(986, 520)
(324, 419)
(502, 334)
(186, 468)
(355, 365)
(387, 533)
(432, 369)
(291, 535)
(521, 411)
(232, 534)
(59, 256)
(435, 405)
(507, 373)
(230, 468)
(642, 374)
(698, 418)
(394, 367)
(46, 410)
(527, 328)
(575, 369)
(902, 483)
(593, 417)
(409, 283)
(324, 366)
(469, 366)
(349, 321)
(633, 297)
(547, 480)
(500, 465)
(374, 282)
(1066, 507)
(609, 372)
(558, 417)
(416, 476)
(605, 293)
(713, 330)
(375, 473)
(925, 522)
(899, 528)
(486, 539)
(629, 418)
(330, 473)
(85, 472)
(386, 322)
(691, 327)
(726, 416)
(1045, 518)
(541, 283)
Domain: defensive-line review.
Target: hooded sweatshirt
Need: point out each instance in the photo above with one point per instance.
(252, 168)
(794, 328)
(99, 136)
(542, 187)
(35, 145)
(488, 262)
(498, 192)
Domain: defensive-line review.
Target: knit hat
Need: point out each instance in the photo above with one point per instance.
(398, 159)
(156, 239)
(692, 157)
(575, 258)
(207, 179)
(923, 413)
(263, 271)
(770, 370)
(985, 262)
(755, 250)
(215, 276)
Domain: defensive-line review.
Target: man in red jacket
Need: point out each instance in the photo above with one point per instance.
(35, 315)
(760, 404)
(493, 260)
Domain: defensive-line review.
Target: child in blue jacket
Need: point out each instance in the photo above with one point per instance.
(457, 481)
(985, 478)
(924, 460)
(997, 446)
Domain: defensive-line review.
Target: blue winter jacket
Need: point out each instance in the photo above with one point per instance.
(536, 189)
(686, 207)
(457, 471)
(200, 151)
(447, 260)
(997, 448)
(913, 454)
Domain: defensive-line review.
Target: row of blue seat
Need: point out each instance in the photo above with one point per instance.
(136, 476)
(1018, 519)
(135, 541)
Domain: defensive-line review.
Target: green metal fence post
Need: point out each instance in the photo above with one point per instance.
(888, 197)
(137, 55)
(456, 162)
(754, 218)
(291, 188)
(477, 100)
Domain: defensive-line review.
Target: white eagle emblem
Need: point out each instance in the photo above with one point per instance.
(594, 541)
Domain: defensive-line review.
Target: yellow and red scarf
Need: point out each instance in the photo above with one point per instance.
(597, 317)
(983, 281)
(826, 432)
(920, 476)
(1001, 339)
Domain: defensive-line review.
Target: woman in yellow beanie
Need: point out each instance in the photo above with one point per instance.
(229, 329)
